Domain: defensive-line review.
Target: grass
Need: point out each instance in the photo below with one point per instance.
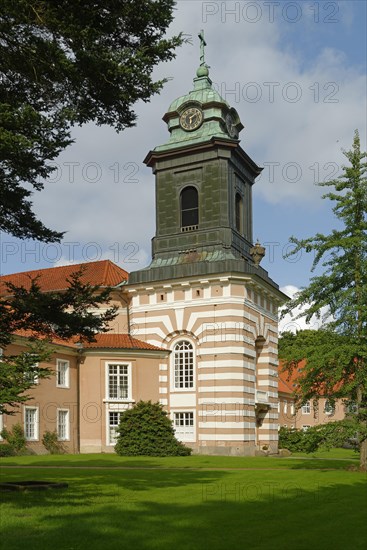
(343, 454)
(185, 503)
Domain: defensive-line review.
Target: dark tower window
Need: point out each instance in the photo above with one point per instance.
(239, 213)
(189, 209)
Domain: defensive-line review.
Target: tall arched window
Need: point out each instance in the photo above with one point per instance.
(183, 373)
(239, 213)
(189, 208)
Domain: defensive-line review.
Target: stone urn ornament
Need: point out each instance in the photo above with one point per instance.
(257, 252)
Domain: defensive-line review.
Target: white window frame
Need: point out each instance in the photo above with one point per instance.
(32, 379)
(174, 388)
(35, 379)
(107, 380)
(305, 427)
(188, 437)
(351, 407)
(36, 423)
(306, 408)
(66, 384)
(329, 410)
(109, 441)
(67, 425)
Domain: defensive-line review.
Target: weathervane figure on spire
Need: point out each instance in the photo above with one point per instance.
(202, 49)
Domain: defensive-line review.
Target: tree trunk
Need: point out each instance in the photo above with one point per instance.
(363, 448)
(363, 456)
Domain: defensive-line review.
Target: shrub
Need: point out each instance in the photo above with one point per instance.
(52, 444)
(15, 438)
(6, 450)
(146, 430)
(326, 436)
(291, 439)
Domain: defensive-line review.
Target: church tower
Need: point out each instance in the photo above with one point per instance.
(204, 296)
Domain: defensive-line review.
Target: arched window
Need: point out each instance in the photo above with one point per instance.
(189, 209)
(183, 369)
(239, 213)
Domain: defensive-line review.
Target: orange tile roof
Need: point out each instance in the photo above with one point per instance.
(103, 273)
(103, 341)
(115, 341)
(286, 381)
(26, 333)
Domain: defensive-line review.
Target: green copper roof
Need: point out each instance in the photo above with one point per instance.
(203, 92)
(214, 109)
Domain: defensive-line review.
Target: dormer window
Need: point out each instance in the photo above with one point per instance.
(189, 209)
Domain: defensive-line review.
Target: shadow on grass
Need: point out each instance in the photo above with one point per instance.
(147, 510)
(113, 461)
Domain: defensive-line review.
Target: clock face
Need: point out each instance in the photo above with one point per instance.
(191, 118)
(231, 127)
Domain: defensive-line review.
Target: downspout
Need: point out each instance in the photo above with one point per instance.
(80, 360)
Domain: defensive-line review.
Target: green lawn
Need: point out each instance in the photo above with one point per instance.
(185, 503)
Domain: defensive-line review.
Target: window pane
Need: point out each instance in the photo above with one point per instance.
(239, 213)
(30, 423)
(189, 198)
(189, 207)
(118, 381)
(62, 373)
(62, 424)
(114, 421)
(184, 365)
(184, 425)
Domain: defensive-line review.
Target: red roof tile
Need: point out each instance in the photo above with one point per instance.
(116, 341)
(103, 273)
(286, 381)
(103, 341)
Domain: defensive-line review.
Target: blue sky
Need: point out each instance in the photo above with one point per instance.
(297, 77)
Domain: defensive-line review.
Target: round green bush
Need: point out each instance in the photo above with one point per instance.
(146, 430)
(6, 450)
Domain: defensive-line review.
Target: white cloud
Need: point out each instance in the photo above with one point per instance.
(303, 137)
(290, 323)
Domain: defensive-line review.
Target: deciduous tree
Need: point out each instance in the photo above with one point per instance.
(65, 63)
(42, 316)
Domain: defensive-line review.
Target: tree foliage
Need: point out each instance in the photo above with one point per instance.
(51, 443)
(15, 438)
(336, 355)
(326, 436)
(146, 430)
(42, 316)
(65, 63)
(339, 295)
(64, 314)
